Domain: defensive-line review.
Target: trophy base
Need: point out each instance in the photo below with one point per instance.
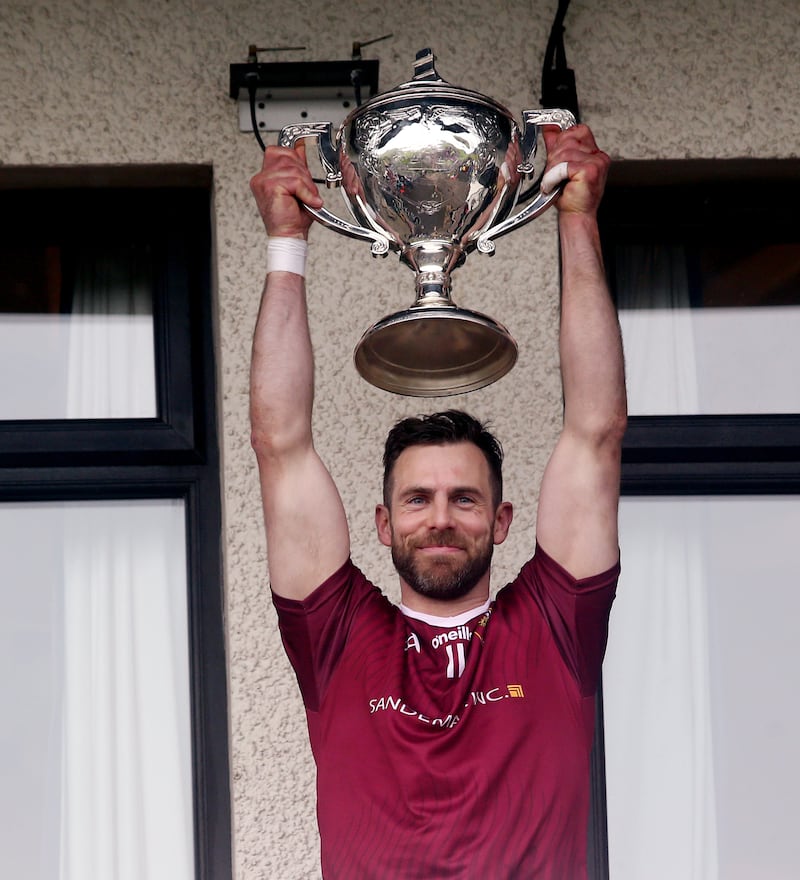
(434, 352)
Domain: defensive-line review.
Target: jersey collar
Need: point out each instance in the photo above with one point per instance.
(446, 622)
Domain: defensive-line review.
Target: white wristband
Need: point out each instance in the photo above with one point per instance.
(287, 255)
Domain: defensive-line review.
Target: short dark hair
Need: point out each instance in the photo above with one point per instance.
(436, 429)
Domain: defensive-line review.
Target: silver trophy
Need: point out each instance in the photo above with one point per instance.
(432, 171)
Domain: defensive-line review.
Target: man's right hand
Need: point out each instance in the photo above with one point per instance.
(281, 187)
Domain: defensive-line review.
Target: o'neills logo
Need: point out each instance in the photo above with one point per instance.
(453, 635)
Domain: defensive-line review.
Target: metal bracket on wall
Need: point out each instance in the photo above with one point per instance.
(301, 91)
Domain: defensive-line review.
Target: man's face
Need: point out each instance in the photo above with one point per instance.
(442, 524)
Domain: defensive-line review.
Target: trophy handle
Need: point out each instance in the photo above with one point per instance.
(533, 119)
(323, 131)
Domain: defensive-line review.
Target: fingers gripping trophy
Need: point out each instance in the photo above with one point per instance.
(433, 172)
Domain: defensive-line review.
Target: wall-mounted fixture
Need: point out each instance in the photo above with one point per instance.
(274, 94)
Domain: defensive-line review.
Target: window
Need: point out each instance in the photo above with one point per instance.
(76, 309)
(700, 737)
(76, 476)
(704, 261)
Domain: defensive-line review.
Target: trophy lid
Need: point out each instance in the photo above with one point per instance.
(427, 81)
(435, 351)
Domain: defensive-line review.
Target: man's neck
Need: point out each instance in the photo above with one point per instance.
(412, 600)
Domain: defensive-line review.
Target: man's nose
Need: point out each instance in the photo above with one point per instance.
(440, 513)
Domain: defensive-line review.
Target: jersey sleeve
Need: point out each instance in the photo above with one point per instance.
(576, 612)
(314, 630)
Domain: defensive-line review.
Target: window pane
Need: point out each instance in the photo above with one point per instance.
(703, 258)
(710, 330)
(699, 682)
(76, 332)
(95, 747)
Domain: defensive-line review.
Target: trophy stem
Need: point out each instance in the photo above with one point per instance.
(433, 290)
(432, 261)
(434, 347)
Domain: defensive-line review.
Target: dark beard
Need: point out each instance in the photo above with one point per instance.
(445, 580)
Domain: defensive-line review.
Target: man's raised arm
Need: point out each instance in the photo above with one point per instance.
(579, 498)
(307, 534)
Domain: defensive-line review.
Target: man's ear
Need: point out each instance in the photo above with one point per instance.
(502, 521)
(383, 524)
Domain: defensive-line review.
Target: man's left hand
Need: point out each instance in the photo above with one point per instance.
(587, 168)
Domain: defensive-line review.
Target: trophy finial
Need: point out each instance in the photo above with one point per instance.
(425, 67)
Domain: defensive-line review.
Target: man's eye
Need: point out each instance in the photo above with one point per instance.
(465, 499)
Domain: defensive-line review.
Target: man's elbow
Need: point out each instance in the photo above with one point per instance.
(275, 446)
(611, 432)
(279, 426)
(274, 438)
(618, 424)
(600, 428)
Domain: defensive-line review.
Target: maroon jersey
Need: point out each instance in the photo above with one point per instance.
(452, 747)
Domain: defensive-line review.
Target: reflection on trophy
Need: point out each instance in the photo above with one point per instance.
(432, 171)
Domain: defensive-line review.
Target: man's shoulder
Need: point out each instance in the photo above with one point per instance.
(544, 569)
(347, 587)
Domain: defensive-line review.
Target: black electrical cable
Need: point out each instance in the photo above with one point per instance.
(355, 79)
(555, 56)
(554, 73)
(558, 81)
(252, 84)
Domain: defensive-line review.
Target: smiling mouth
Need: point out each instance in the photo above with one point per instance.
(440, 548)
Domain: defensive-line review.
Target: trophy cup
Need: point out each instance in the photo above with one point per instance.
(433, 172)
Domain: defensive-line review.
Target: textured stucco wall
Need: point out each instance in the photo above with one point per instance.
(143, 81)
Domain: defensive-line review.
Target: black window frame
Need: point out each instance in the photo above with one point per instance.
(173, 455)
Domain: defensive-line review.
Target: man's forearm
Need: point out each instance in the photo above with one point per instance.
(590, 344)
(282, 368)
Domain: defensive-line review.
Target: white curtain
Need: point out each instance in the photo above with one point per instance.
(126, 789)
(111, 354)
(657, 329)
(96, 360)
(657, 700)
(656, 684)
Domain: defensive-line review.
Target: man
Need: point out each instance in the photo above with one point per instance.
(451, 735)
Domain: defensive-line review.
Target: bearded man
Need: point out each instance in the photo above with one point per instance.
(451, 733)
